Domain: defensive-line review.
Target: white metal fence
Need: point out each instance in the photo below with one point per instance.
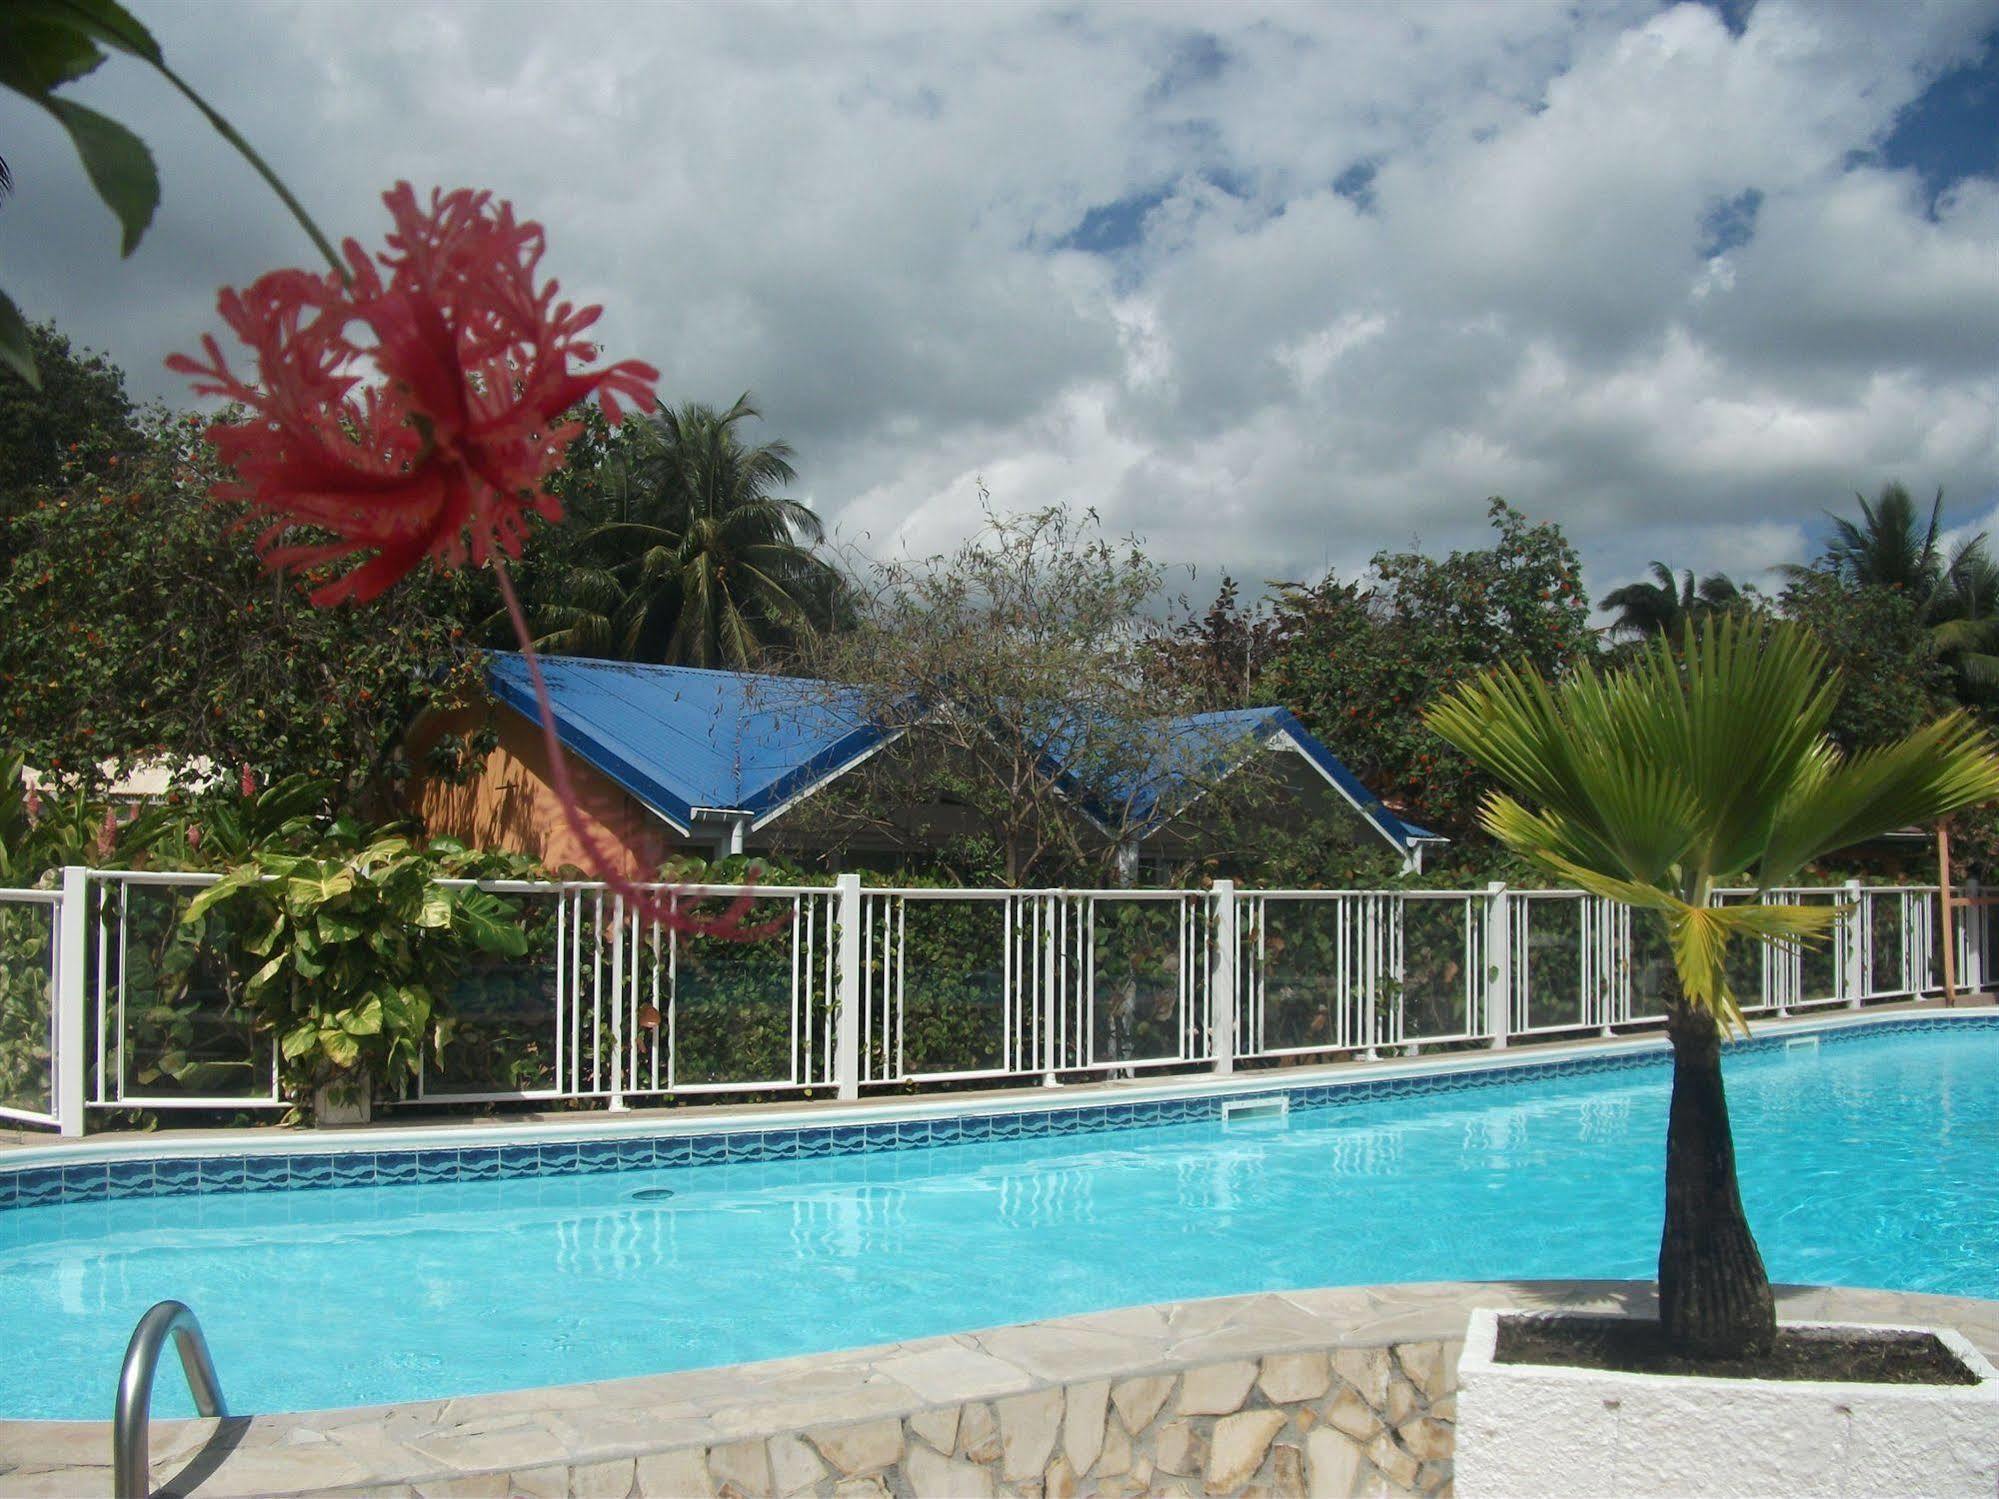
(109, 1000)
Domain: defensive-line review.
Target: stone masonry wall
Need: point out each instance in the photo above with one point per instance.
(1329, 1424)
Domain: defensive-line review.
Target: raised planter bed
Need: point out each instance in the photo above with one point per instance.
(1544, 1430)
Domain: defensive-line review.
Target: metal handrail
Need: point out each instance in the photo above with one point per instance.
(131, 1461)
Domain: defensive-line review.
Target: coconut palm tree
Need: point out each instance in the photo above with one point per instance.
(706, 563)
(1666, 604)
(1655, 784)
(1894, 546)
(1890, 546)
(1964, 621)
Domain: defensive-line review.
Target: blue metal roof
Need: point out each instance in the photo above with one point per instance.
(682, 737)
(1201, 746)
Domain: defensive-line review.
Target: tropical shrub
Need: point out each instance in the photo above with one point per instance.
(1358, 661)
(356, 943)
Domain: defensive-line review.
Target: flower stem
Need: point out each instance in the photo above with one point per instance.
(109, 23)
(263, 169)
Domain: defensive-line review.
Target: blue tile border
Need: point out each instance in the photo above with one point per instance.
(39, 1186)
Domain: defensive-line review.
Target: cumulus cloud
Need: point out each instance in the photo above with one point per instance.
(1274, 286)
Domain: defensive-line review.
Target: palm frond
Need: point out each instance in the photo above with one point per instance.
(1835, 802)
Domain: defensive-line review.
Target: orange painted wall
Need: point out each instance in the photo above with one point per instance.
(511, 804)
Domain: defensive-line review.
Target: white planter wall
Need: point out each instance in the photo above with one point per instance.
(1531, 1431)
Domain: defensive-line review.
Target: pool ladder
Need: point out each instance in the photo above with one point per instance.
(131, 1458)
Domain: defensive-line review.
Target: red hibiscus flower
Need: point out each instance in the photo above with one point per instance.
(413, 408)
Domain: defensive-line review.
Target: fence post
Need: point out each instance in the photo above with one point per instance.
(1051, 997)
(1498, 962)
(72, 940)
(620, 1001)
(1374, 940)
(1853, 958)
(1971, 922)
(1222, 979)
(847, 1023)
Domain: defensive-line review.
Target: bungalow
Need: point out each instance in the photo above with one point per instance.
(673, 760)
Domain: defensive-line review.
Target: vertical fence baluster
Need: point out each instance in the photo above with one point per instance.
(72, 938)
(1222, 977)
(101, 897)
(901, 987)
(800, 1036)
(1498, 962)
(618, 1005)
(672, 992)
(847, 1015)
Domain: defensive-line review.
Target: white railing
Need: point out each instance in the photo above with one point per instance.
(167, 1029)
(109, 1000)
(612, 1004)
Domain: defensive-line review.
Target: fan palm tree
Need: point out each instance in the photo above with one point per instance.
(708, 563)
(1666, 604)
(1656, 784)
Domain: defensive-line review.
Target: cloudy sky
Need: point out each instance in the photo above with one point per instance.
(1274, 286)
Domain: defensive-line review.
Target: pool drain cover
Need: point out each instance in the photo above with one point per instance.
(652, 1194)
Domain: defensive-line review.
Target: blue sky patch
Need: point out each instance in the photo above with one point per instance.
(1730, 223)
(1110, 227)
(1951, 130)
(1734, 13)
(1357, 184)
(1198, 58)
(1228, 180)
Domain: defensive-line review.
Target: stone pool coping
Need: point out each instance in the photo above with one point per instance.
(479, 1442)
(233, 1161)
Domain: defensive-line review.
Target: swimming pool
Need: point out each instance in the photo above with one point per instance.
(1866, 1157)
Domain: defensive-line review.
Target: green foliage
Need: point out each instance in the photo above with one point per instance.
(45, 45)
(354, 944)
(16, 342)
(1666, 605)
(78, 422)
(27, 938)
(1217, 659)
(1892, 677)
(1894, 550)
(140, 626)
(1018, 666)
(1358, 662)
(682, 548)
(42, 830)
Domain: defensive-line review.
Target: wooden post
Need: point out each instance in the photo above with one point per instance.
(1949, 933)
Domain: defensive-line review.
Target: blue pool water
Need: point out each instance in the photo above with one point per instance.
(1865, 1162)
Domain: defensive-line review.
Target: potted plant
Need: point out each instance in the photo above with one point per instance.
(1653, 786)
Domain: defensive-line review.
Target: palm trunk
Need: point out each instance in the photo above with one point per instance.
(1714, 1295)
